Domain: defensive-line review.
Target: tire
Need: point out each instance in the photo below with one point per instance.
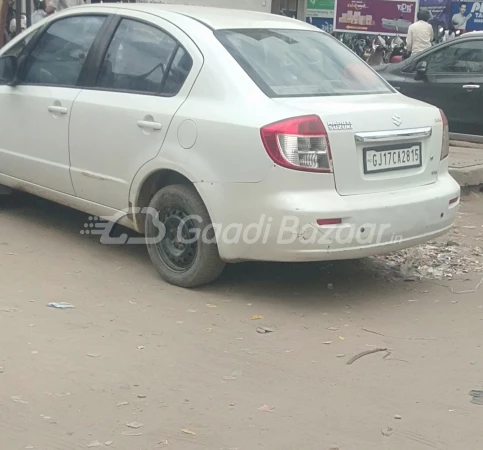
(185, 265)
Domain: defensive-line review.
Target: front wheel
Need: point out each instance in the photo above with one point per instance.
(186, 253)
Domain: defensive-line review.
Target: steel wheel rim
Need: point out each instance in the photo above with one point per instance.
(178, 248)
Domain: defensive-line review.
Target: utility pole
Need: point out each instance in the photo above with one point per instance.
(28, 12)
(3, 20)
(18, 17)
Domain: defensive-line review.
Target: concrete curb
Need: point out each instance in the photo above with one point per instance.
(466, 165)
(468, 177)
(464, 144)
(470, 138)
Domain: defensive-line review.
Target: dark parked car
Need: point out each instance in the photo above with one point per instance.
(449, 76)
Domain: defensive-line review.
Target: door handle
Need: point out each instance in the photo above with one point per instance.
(471, 86)
(57, 109)
(150, 125)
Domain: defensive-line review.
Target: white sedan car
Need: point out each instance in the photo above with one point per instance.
(220, 135)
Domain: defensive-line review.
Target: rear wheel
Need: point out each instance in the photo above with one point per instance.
(187, 255)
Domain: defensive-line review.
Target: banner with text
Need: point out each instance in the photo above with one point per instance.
(385, 17)
(323, 23)
(467, 16)
(439, 11)
(320, 8)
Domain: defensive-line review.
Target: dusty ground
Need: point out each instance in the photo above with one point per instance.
(138, 350)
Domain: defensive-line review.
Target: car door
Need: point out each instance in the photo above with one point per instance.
(454, 83)
(35, 113)
(145, 74)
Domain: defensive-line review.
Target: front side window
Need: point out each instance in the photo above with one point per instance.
(142, 58)
(294, 63)
(60, 53)
(460, 57)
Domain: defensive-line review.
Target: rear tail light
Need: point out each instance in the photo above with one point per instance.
(445, 143)
(300, 143)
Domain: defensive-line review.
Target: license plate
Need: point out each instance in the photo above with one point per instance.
(392, 157)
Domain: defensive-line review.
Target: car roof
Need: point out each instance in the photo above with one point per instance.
(467, 35)
(471, 34)
(215, 18)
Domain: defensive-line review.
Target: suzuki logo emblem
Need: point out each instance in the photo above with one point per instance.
(396, 120)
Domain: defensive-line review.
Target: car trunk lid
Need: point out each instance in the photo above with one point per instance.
(378, 142)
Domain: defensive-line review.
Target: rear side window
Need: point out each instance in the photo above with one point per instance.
(142, 58)
(60, 53)
(460, 57)
(298, 63)
(180, 68)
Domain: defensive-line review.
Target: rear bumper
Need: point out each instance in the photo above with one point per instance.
(267, 221)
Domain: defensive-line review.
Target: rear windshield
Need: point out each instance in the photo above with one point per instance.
(299, 63)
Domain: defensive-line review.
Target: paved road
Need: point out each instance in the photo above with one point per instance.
(137, 351)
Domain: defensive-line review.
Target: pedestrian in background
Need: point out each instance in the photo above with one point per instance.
(59, 5)
(40, 11)
(420, 33)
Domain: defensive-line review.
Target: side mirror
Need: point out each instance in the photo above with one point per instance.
(422, 68)
(8, 68)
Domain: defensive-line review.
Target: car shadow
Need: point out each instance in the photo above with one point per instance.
(277, 282)
(306, 282)
(68, 222)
